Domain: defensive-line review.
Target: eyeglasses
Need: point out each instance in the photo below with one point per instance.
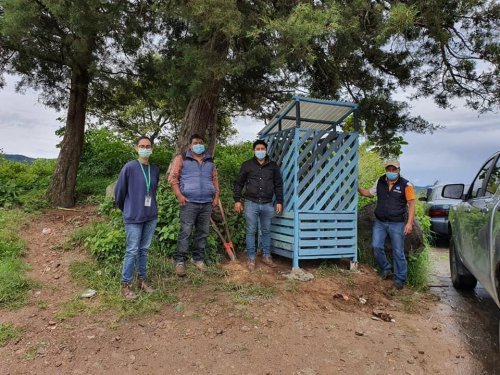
(147, 147)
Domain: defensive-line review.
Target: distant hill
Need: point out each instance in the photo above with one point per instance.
(20, 158)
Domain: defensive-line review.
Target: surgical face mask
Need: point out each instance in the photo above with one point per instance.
(198, 149)
(145, 152)
(260, 154)
(392, 175)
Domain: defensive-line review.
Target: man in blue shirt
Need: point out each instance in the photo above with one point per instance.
(135, 195)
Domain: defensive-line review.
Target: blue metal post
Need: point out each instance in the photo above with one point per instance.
(296, 231)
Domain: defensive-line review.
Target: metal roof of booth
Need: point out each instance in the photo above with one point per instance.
(309, 113)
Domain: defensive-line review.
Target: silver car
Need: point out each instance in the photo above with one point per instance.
(437, 208)
(475, 230)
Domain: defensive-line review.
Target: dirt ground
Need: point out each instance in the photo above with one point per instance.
(302, 328)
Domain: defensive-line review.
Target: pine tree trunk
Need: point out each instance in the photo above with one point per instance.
(63, 185)
(201, 113)
(201, 117)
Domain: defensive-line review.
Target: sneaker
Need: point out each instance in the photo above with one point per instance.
(385, 275)
(200, 265)
(399, 285)
(143, 285)
(251, 264)
(180, 269)
(127, 292)
(268, 261)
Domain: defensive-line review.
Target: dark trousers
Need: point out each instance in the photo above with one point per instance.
(193, 215)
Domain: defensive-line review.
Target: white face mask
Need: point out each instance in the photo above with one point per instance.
(145, 152)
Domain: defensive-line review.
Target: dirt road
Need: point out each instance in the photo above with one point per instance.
(297, 328)
(475, 316)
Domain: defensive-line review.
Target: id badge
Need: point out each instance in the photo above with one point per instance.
(147, 200)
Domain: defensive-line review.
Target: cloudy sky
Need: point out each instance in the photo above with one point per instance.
(452, 154)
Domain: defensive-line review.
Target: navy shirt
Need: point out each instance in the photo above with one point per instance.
(130, 193)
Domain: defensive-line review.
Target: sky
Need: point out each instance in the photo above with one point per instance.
(452, 154)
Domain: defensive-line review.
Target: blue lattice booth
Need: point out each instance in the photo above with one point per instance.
(319, 165)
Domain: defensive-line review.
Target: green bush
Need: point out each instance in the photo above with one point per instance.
(22, 184)
(370, 168)
(103, 154)
(108, 244)
(169, 225)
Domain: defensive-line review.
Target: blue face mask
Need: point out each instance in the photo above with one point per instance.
(260, 154)
(392, 175)
(198, 149)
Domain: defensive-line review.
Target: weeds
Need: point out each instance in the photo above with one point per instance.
(106, 281)
(411, 302)
(8, 332)
(327, 269)
(14, 284)
(71, 309)
(244, 293)
(34, 351)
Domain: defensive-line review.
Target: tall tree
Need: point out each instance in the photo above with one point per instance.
(366, 51)
(335, 49)
(60, 47)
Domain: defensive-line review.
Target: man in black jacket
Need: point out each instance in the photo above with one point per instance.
(262, 178)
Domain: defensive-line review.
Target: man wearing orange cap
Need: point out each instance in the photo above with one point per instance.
(394, 216)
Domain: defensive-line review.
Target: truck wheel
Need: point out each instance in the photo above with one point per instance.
(460, 275)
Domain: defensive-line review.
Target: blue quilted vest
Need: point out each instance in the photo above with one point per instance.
(195, 181)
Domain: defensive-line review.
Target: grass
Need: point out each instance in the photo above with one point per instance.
(33, 351)
(14, 284)
(327, 269)
(72, 308)
(8, 332)
(245, 293)
(418, 270)
(410, 302)
(106, 281)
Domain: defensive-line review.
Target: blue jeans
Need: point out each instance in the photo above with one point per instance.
(193, 215)
(258, 213)
(139, 238)
(396, 233)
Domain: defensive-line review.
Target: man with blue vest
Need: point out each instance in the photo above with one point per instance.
(193, 178)
(394, 217)
(135, 195)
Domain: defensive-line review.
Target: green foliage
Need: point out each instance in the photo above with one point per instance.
(8, 332)
(370, 168)
(107, 245)
(103, 156)
(418, 269)
(104, 153)
(23, 184)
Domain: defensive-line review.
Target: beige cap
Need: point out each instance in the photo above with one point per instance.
(394, 163)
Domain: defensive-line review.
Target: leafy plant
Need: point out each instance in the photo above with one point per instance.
(107, 245)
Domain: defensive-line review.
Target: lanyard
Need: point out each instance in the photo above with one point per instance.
(148, 181)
